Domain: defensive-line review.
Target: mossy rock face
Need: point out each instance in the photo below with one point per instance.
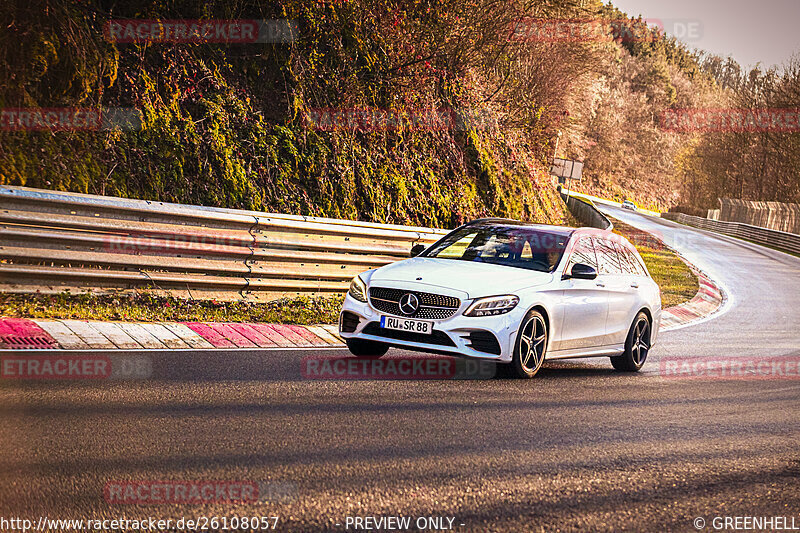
(224, 125)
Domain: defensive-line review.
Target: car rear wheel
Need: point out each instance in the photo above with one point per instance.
(367, 349)
(531, 345)
(637, 346)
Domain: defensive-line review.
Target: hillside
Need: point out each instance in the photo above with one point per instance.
(223, 124)
(248, 124)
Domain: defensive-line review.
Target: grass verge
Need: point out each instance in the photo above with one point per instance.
(149, 308)
(678, 283)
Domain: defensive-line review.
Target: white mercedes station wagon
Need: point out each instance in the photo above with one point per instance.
(513, 292)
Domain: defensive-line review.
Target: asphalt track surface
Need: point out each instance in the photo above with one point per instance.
(578, 448)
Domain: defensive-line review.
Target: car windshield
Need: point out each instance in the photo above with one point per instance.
(503, 244)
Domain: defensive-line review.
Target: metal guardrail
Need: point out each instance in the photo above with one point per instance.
(51, 242)
(781, 240)
(605, 201)
(584, 210)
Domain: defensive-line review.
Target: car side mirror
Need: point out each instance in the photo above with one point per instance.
(417, 249)
(581, 271)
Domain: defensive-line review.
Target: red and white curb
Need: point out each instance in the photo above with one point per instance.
(25, 334)
(709, 300)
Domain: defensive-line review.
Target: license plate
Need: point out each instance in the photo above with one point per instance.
(404, 324)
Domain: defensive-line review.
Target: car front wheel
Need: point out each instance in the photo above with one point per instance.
(637, 346)
(364, 348)
(531, 345)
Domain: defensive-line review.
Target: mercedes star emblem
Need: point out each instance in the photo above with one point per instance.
(409, 304)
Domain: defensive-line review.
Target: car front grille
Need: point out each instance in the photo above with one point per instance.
(437, 337)
(432, 306)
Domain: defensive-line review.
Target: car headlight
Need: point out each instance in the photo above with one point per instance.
(358, 289)
(493, 305)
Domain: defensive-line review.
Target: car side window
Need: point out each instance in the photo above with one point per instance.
(607, 257)
(624, 261)
(583, 253)
(636, 263)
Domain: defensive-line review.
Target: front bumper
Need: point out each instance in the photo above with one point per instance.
(456, 329)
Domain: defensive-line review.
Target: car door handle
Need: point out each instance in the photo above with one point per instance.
(601, 284)
(635, 285)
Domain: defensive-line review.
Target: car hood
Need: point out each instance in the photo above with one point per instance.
(474, 279)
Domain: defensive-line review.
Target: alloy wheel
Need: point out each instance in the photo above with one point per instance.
(532, 343)
(641, 341)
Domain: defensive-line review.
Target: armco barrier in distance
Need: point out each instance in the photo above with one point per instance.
(57, 241)
(781, 240)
